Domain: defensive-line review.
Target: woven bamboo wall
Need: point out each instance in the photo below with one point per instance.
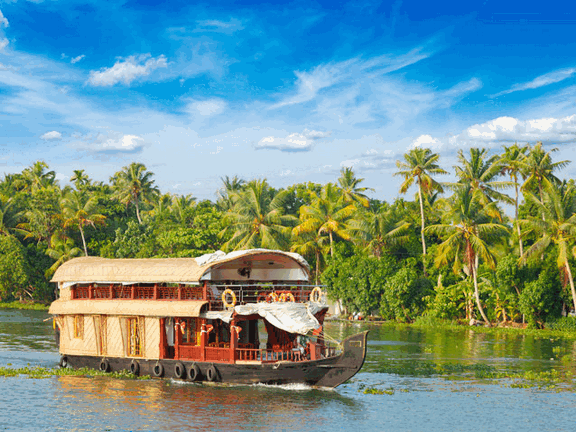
(78, 346)
(152, 338)
(116, 343)
(66, 293)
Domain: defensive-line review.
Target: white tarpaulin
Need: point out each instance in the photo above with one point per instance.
(291, 317)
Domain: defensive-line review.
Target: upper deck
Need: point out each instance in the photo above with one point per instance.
(220, 279)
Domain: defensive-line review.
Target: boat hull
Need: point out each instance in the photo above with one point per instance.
(328, 372)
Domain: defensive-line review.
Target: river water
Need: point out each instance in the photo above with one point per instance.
(413, 380)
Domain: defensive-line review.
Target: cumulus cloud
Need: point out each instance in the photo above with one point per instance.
(110, 142)
(77, 59)
(294, 142)
(541, 81)
(127, 70)
(510, 129)
(427, 141)
(51, 136)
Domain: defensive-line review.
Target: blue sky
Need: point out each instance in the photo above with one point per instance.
(289, 92)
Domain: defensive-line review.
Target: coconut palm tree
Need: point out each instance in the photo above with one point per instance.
(61, 249)
(79, 211)
(230, 187)
(80, 179)
(134, 185)
(419, 165)
(558, 226)
(311, 244)
(468, 230)
(480, 173)
(36, 177)
(350, 188)
(538, 170)
(180, 205)
(380, 229)
(328, 214)
(9, 216)
(257, 219)
(512, 164)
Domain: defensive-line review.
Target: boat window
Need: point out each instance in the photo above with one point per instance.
(79, 326)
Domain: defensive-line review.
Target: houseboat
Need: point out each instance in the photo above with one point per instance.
(244, 317)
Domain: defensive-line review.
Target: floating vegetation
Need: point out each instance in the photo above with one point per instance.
(376, 391)
(38, 372)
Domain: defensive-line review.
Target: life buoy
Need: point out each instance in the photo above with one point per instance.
(194, 372)
(287, 296)
(228, 304)
(158, 370)
(212, 373)
(64, 362)
(316, 295)
(179, 370)
(272, 297)
(104, 365)
(135, 367)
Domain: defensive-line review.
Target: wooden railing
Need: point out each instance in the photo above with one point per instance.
(137, 292)
(257, 293)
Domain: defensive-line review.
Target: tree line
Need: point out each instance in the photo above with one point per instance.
(451, 252)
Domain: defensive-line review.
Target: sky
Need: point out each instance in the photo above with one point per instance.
(289, 92)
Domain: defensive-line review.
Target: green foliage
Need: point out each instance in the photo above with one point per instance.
(403, 295)
(136, 241)
(359, 281)
(562, 324)
(15, 278)
(539, 299)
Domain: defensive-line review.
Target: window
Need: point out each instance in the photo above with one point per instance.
(134, 337)
(79, 326)
(191, 333)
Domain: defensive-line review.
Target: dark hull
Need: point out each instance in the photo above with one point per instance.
(329, 372)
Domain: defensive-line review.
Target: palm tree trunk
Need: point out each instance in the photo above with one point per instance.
(477, 295)
(422, 217)
(571, 283)
(331, 245)
(138, 212)
(83, 239)
(516, 221)
(317, 264)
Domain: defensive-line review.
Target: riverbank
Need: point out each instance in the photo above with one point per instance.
(24, 306)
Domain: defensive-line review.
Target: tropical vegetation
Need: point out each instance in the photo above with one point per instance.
(495, 243)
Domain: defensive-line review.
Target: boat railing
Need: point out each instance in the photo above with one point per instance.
(318, 352)
(137, 292)
(258, 293)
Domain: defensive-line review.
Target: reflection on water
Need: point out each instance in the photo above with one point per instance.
(422, 379)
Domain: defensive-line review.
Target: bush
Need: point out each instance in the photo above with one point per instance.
(563, 324)
(403, 297)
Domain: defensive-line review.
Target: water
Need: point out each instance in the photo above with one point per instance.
(429, 380)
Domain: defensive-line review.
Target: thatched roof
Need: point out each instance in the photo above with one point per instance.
(151, 308)
(172, 270)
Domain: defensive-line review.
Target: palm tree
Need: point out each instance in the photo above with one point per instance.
(538, 169)
(61, 249)
(134, 184)
(80, 179)
(558, 226)
(37, 177)
(328, 214)
(350, 189)
(419, 165)
(9, 216)
(512, 163)
(180, 205)
(230, 187)
(80, 211)
(468, 230)
(381, 229)
(311, 244)
(479, 173)
(257, 219)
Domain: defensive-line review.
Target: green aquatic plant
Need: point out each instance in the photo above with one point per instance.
(38, 372)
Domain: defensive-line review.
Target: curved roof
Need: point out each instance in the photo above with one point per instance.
(176, 270)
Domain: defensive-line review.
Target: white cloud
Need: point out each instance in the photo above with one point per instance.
(220, 26)
(541, 81)
(206, 108)
(309, 84)
(110, 141)
(3, 21)
(293, 142)
(51, 136)
(127, 71)
(3, 44)
(77, 59)
(427, 141)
